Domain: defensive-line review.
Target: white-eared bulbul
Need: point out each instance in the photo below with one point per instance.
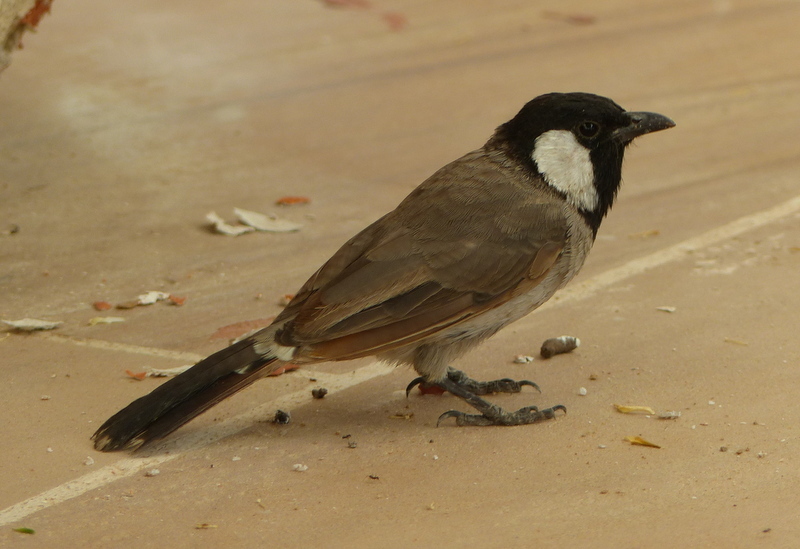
(481, 243)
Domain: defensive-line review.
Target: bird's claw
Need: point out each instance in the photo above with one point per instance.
(414, 382)
(496, 416)
(505, 385)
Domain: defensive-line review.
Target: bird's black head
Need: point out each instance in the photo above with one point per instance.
(576, 142)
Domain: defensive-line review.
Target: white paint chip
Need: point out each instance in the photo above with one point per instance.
(151, 297)
(32, 324)
(222, 227)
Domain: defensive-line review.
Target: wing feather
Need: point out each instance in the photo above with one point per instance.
(469, 239)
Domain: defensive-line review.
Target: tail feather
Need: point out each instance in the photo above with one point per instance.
(184, 397)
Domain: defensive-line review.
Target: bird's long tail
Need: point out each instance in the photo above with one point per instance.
(184, 397)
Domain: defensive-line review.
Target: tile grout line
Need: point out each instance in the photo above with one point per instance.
(123, 347)
(676, 252)
(179, 446)
(337, 382)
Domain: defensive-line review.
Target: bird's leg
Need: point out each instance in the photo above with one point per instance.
(475, 387)
(459, 384)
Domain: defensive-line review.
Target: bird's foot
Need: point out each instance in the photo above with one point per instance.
(498, 416)
(462, 386)
(475, 387)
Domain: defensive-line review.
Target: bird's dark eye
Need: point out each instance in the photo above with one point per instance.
(589, 129)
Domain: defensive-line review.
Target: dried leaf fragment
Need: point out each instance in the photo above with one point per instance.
(32, 324)
(176, 300)
(205, 526)
(292, 200)
(634, 409)
(102, 305)
(667, 309)
(639, 441)
(137, 376)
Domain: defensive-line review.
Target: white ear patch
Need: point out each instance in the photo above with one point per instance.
(567, 167)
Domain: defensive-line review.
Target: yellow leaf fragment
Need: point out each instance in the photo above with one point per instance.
(105, 320)
(639, 441)
(634, 409)
(205, 526)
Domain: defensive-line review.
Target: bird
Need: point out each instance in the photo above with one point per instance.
(481, 243)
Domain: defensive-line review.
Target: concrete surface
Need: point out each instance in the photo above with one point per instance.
(123, 124)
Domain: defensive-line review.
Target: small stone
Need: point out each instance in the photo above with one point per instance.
(299, 467)
(582, 391)
(282, 417)
(559, 345)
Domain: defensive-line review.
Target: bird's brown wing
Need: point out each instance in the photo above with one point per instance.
(468, 240)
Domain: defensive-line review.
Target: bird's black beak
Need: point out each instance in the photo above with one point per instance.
(640, 124)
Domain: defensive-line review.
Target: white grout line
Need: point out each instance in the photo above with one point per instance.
(123, 347)
(677, 252)
(178, 446)
(130, 466)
